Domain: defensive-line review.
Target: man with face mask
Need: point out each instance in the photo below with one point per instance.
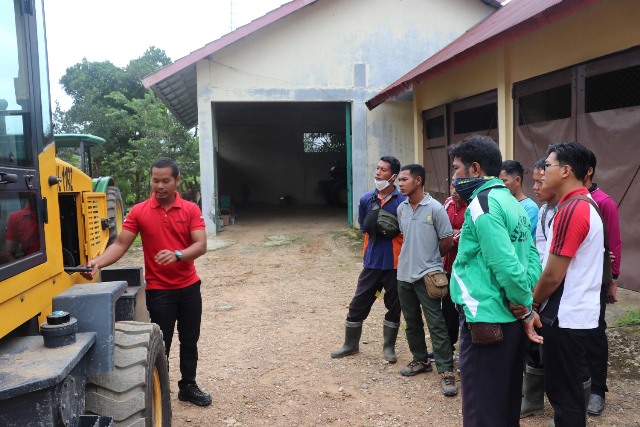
(380, 263)
(497, 264)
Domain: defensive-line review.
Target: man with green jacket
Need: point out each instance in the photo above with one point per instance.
(497, 265)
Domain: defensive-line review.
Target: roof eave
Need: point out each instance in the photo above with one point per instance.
(225, 41)
(531, 24)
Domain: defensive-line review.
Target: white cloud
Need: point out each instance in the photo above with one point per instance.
(121, 30)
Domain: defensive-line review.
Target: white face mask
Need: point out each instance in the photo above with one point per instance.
(381, 184)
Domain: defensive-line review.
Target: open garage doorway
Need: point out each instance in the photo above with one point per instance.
(277, 156)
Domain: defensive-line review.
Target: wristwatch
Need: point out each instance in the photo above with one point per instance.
(178, 254)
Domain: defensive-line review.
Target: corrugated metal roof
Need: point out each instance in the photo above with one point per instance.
(511, 21)
(175, 84)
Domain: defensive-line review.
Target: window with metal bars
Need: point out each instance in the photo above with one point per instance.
(612, 90)
(546, 105)
(434, 127)
(476, 119)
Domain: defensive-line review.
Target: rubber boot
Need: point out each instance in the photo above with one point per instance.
(352, 333)
(587, 397)
(390, 334)
(532, 392)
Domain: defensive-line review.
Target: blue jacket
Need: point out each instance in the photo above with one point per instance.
(380, 253)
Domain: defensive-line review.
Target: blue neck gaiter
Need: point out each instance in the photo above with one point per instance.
(466, 186)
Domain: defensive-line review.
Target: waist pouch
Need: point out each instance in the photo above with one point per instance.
(437, 284)
(485, 333)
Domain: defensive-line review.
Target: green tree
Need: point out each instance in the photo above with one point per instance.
(323, 142)
(111, 102)
(162, 135)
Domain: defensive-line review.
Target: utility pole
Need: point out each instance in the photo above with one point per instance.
(231, 27)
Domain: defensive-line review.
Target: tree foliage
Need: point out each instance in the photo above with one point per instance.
(111, 102)
(323, 142)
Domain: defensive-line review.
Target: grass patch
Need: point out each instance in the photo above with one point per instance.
(137, 244)
(628, 318)
(283, 240)
(350, 237)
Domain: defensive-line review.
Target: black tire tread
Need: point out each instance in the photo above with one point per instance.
(121, 394)
(114, 204)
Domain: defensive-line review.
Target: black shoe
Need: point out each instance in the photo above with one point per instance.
(431, 357)
(596, 405)
(192, 393)
(416, 367)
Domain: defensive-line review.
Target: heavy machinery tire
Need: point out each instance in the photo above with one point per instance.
(137, 392)
(115, 212)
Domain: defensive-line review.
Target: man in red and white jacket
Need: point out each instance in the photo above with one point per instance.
(568, 291)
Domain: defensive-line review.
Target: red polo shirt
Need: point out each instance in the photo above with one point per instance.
(22, 228)
(160, 229)
(456, 217)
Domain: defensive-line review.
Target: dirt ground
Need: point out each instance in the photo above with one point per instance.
(276, 286)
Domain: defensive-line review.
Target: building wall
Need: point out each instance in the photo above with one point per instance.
(336, 51)
(605, 28)
(590, 33)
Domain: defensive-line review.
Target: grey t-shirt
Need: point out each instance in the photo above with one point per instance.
(422, 231)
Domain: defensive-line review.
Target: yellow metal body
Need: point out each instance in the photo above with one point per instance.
(30, 293)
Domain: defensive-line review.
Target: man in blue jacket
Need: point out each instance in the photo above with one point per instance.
(380, 263)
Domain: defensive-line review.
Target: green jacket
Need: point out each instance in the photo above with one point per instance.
(497, 259)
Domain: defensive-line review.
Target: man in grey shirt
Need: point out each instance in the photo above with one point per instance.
(427, 236)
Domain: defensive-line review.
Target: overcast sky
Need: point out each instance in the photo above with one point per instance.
(121, 30)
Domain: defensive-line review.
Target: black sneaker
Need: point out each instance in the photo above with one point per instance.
(596, 404)
(192, 393)
(431, 357)
(416, 367)
(448, 384)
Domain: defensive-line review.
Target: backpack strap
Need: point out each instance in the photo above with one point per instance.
(595, 206)
(374, 201)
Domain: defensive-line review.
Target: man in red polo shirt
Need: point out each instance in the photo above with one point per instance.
(21, 235)
(455, 207)
(173, 235)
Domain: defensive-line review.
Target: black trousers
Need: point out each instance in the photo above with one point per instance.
(534, 355)
(371, 281)
(565, 371)
(183, 306)
(451, 317)
(598, 350)
(491, 378)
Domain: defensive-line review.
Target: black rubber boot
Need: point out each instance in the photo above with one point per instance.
(352, 333)
(532, 392)
(390, 334)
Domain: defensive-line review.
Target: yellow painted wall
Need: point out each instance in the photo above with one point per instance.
(599, 30)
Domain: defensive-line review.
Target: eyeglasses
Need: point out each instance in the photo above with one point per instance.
(547, 165)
